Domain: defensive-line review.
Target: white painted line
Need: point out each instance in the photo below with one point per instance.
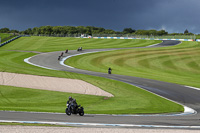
(193, 88)
(153, 45)
(65, 58)
(187, 110)
(27, 61)
(98, 124)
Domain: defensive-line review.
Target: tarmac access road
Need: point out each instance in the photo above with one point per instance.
(184, 95)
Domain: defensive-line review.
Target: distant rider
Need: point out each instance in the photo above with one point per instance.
(71, 102)
(74, 103)
(109, 70)
(59, 57)
(62, 54)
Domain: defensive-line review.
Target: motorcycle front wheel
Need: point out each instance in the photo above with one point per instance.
(67, 111)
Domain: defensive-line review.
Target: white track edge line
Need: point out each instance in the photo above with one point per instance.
(187, 110)
(99, 124)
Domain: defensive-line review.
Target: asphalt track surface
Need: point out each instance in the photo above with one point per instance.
(178, 93)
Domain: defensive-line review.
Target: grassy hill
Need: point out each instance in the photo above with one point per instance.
(178, 64)
(49, 44)
(4, 35)
(127, 99)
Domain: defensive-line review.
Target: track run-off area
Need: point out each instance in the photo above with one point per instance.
(184, 95)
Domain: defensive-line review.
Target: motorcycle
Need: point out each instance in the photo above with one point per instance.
(79, 49)
(74, 109)
(109, 71)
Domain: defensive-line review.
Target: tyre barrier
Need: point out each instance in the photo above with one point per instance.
(2, 44)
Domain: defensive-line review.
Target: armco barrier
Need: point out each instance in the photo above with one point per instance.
(2, 44)
(142, 38)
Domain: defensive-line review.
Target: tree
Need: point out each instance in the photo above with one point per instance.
(4, 30)
(142, 32)
(36, 31)
(152, 32)
(14, 31)
(186, 31)
(128, 30)
(162, 32)
(81, 29)
(109, 31)
(48, 30)
(28, 31)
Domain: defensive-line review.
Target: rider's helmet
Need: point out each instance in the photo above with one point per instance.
(70, 98)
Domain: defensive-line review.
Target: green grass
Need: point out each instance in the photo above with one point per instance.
(48, 44)
(178, 64)
(127, 99)
(4, 35)
(197, 36)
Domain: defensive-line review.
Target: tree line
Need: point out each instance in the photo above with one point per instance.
(89, 30)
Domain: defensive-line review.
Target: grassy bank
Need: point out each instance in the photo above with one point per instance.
(3, 36)
(127, 99)
(178, 64)
(49, 44)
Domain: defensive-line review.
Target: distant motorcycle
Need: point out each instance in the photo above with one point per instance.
(59, 57)
(79, 49)
(74, 109)
(109, 70)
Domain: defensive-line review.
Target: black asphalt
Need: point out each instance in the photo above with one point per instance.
(183, 95)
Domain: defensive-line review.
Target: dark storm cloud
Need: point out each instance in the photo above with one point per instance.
(171, 15)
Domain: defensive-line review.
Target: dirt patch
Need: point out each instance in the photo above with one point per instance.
(51, 83)
(34, 129)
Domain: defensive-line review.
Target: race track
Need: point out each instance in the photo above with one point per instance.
(178, 93)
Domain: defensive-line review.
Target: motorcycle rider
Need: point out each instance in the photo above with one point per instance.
(71, 102)
(66, 51)
(59, 57)
(109, 70)
(74, 103)
(61, 54)
(73, 107)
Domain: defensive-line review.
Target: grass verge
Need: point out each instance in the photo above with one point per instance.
(178, 64)
(49, 44)
(127, 99)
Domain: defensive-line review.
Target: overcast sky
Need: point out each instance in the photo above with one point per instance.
(170, 15)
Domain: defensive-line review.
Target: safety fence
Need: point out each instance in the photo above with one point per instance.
(58, 35)
(7, 38)
(143, 38)
(147, 36)
(2, 44)
(122, 36)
